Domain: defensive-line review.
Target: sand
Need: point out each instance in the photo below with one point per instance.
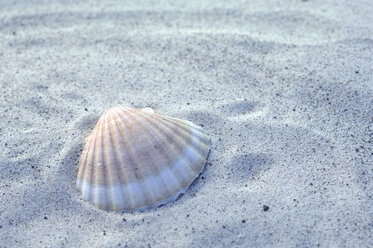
(283, 88)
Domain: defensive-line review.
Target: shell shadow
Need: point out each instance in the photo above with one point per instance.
(204, 119)
(69, 166)
(55, 195)
(249, 166)
(21, 168)
(241, 107)
(87, 122)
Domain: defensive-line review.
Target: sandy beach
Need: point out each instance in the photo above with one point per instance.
(284, 89)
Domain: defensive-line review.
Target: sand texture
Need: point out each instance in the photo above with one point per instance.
(284, 88)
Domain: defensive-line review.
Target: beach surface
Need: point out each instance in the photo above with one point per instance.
(284, 89)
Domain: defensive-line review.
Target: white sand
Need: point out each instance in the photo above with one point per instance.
(284, 89)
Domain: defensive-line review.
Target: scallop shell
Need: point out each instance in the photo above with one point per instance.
(135, 159)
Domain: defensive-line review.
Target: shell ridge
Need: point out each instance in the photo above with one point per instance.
(146, 190)
(108, 164)
(154, 169)
(165, 124)
(165, 175)
(113, 171)
(121, 170)
(150, 137)
(121, 125)
(183, 142)
(192, 129)
(132, 186)
(196, 146)
(92, 139)
(197, 135)
(199, 146)
(163, 134)
(136, 159)
(100, 176)
(187, 141)
(186, 125)
(89, 183)
(180, 124)
(178, 150)
(195, 156)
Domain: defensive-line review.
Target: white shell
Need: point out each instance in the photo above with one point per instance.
(136, 159)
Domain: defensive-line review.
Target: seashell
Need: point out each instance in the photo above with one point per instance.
(135, 159)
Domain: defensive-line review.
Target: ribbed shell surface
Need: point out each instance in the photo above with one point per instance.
(136, 159)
